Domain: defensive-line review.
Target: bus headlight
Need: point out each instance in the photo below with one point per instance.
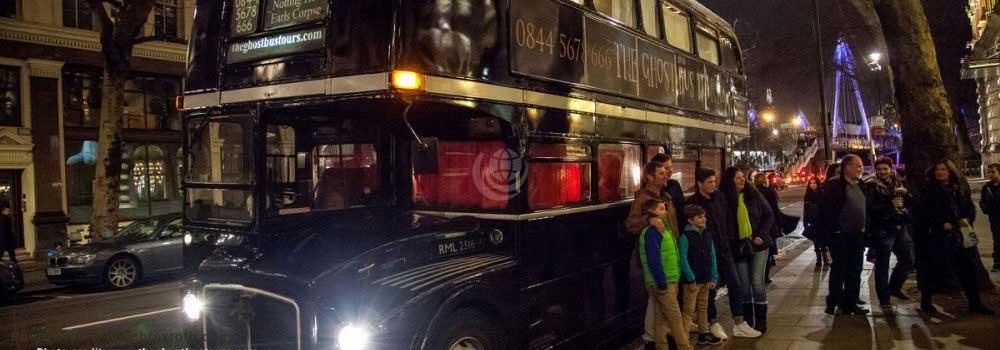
(351, 337)
(192, 306)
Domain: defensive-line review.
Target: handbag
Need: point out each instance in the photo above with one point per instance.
(744, 249)
(969, 238)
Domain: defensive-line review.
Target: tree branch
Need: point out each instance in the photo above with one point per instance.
(116, 4)
(107, 25)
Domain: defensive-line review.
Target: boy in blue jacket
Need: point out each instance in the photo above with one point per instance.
(699, 270)
(661, 272)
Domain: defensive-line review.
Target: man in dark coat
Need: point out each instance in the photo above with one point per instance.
(7, 242)
(716, 210)
(672, 189)
(842, 211)
(889, 219)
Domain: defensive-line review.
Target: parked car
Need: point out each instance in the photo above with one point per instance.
(11, 280)
(144, 249)
(776, 179)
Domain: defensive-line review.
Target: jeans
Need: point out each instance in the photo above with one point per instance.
(667, 315)
(893, 240)
(750, 272)
(733, 284)
(845, 274)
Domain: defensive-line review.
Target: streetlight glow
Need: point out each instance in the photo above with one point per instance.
(767, 116)
(875, 56)
(796, 121)
(774, 132)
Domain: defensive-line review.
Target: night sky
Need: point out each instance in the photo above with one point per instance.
(780, 52)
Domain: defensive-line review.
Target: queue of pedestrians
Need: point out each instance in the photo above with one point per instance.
(724, 235)
(719, 236)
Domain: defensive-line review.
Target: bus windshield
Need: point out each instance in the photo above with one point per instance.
(320, 163)
(218, 152)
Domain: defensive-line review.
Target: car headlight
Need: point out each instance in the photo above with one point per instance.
(81, 259)
(192, 306)
(351, 337)
(188, 238)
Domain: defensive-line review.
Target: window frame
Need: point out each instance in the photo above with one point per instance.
(657, 19)
(16, 11)
(623, 146)
(704, 30)
(635, 12)
(590, 161)
(19, 93)
(664, 6)
(160, 12)
(76, 15)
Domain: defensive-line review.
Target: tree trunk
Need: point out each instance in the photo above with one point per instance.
(118, 37)
(107, 178)
(924, 109)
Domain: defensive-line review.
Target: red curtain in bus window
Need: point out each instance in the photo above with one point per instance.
(459, 183)
(557, 184)
(610, 160)
(619, 171)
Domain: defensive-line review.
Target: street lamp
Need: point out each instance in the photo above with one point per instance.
(767, 116)
(774, 132)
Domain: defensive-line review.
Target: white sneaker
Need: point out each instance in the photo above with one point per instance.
(718, 332)
(743, 330)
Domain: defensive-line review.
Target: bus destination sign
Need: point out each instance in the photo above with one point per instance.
(245, 14)
(284, 13)
(276, 45)
(553, 41)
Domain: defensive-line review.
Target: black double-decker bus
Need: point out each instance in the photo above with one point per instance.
(437, 174)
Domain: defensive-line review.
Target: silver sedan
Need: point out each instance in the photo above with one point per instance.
(146, 248)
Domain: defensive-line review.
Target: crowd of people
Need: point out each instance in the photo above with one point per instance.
(724, 235)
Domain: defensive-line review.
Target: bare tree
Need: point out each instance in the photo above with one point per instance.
(121, 24)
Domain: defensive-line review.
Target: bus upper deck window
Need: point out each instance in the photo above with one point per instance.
(708, 47)
(676, 27)
(649, 18)
(621, 10)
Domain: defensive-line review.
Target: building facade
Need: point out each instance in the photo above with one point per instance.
(51, 72)
(983, 65)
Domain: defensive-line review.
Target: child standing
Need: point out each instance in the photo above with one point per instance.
(699, 269)
(661, 272)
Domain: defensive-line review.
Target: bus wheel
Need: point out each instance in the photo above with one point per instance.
(469, 330)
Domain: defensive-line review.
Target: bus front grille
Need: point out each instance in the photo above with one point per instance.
(240, 317)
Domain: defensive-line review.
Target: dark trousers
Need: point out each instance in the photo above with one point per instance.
(713, 313)
(845, 274)
(995, 228)
(10, 252)
(894, 240)
(947, 254)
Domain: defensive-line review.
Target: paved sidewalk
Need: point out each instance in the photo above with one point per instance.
(797, 320)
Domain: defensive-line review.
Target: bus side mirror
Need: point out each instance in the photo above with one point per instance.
(425, 156)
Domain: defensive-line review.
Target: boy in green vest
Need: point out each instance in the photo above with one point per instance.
(661, 272)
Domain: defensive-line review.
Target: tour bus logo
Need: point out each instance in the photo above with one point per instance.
(499, 176)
